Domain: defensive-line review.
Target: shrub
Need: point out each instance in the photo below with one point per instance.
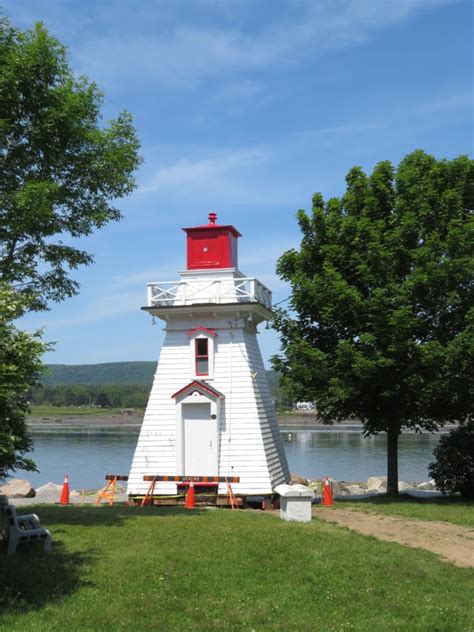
(453, 469)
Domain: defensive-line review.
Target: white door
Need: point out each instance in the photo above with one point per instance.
(199, 440)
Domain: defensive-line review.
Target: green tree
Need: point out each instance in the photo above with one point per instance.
(20, 370)
(381, 319)
(137, 397)
(60, 172)
(102, 400)
(80, 395)
(453, 469)
(59, 169)
(116, 394)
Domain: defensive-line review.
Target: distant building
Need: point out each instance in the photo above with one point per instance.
(301, 406)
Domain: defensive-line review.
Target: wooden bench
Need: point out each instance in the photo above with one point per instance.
(19, 529)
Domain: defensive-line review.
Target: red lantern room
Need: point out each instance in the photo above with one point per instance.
(211, 246)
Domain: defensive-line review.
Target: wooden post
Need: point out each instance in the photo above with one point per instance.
(267, 504)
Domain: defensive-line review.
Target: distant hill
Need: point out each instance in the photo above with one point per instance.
(100, 374)
(111, 373)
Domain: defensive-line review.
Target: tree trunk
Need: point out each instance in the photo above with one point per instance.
(392, 461)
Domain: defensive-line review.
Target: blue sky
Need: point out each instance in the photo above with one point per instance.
(245, 108)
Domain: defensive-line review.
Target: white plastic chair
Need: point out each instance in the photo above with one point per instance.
(19, 529)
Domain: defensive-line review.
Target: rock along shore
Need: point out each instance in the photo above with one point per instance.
(21, 492)
(373, 486)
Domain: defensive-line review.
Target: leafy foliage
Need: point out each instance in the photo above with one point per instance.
(109, 395)
(453, 469)
(125, 384)
(20, 369)
(100, 374)
(59, 170)
(59, 173)
(381, 321)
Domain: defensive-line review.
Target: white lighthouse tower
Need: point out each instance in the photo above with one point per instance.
(210, 414)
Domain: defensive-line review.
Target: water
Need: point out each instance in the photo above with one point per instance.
(88, 455)
(348, 456)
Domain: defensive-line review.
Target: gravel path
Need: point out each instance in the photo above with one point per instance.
(75, 499)
(451, 542)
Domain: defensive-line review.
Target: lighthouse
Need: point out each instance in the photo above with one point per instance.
(210, 416)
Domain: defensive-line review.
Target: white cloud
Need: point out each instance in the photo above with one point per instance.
(100, 308)
(151, 275)
(445, 103)
(238, 94)
(246, 175)
(337, 133)
(182, 55)
(186, 171)
(220, 174)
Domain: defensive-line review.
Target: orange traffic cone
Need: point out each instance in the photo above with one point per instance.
(327, 496)
(190, 501)
(64, 499)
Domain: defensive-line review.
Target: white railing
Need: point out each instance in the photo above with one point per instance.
(241, 290)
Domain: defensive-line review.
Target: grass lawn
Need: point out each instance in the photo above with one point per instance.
(171, 569)
(444, 509)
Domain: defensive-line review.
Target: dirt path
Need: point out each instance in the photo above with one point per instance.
(452, 542)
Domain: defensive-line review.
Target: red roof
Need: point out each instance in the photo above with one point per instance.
(213, 226)
(199, 386)
(211, 332)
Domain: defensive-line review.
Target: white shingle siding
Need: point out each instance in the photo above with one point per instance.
(250, 444)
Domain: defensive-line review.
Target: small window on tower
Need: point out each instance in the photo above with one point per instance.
(202, 356)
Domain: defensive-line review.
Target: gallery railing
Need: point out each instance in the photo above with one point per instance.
(241, 290)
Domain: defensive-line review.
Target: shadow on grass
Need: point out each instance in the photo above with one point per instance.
(30, 579)
(116, 516)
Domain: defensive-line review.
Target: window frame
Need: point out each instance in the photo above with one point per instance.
(200, 357)
(193, 368)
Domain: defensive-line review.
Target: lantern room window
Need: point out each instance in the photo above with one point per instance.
(202, 356)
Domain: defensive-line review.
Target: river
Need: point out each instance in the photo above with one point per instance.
(88, 454)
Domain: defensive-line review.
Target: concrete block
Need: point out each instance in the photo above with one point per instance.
(295, 502)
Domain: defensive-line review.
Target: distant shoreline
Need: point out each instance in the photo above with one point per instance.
(296, 422)
(136, 420)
